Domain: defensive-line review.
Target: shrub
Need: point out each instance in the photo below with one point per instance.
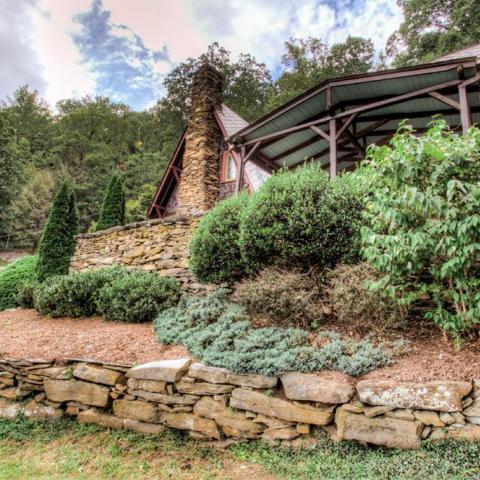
(423, 222)
(113, 205)
(301, 218)
(12, 277)
(25, 294)
(355, 304)
(286, 298)
(220, 334)
(214, 248)
(137, 297)
(58, 240)
(76, 294)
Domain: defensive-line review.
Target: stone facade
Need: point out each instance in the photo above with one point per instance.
(156, 245)
(198, 190)
(216, 405)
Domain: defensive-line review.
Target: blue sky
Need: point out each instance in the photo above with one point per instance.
(124, 48)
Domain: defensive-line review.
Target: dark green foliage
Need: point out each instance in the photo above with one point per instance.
(113, 206)
(220, 334)
(76, 294)
(214, 248)
(58, 240)
(137, 297)
(301, 218)
(422, 229)
(12, 277)
(25, 294)
(282, 297)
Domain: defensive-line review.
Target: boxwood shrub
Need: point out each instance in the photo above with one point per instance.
(12, 277)
(301, 218)
(214, 247)
(74, 295)
(137, 297)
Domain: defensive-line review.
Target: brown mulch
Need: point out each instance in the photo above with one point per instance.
(26, 334)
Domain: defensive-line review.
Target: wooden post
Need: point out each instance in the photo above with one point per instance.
(333, 148)
(464, 109)
(240, 170)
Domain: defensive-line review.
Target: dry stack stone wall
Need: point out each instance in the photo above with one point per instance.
(198, 191)
(155, 245)
(215, 404)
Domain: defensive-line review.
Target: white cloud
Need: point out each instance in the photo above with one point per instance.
(36, 44)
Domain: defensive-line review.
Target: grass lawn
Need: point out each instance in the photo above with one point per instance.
(66, 450)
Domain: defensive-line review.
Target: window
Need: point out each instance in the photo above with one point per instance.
(229, 168)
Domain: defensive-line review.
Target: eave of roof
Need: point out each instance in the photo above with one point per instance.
(337, 81)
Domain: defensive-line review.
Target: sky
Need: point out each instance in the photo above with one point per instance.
(124, 48)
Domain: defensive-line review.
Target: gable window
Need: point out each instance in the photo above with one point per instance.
(229, 168)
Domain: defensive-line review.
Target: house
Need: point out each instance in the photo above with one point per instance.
(332, 123)
(203, 161)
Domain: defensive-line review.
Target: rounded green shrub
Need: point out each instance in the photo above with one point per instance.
(25, 294)
(214, 248)
(137, 297)
(12, 277)
(301, 219)
(74, 295)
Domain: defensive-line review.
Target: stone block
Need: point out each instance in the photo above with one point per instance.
(310, 387)
(445, 396)
(165, 399)
(203, 388)
(428, 418)
(136, 410)
(79, 391)
(154, 386)
(288, 433)
(473, 410)
(389, 432)
(102, 419)
(190, 421)
(96, 374)
(165, 370)
(142, 427)
(467, 432)
(222, 375)
(9, 410)
(276, 407)
(39, 411)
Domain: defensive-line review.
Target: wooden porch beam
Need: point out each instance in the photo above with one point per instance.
(321, 133)
(240, 170)
(465, 115)
(346, 125)
(446, 100)
(333, 148)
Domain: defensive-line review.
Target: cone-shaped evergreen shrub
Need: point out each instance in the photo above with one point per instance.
(58, 240)
(113, 206)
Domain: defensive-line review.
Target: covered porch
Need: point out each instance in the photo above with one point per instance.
(334, 122)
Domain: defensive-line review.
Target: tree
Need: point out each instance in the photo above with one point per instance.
(58, 240)
(309, 61)
(136, 208)
(31, 206)
(113, 206)
(246, 82)
(432, 28)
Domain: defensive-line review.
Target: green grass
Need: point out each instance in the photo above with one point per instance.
(67, 450)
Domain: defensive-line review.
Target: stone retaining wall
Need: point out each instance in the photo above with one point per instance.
(214, 404)
(154, 245)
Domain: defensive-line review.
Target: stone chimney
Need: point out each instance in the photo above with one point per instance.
(198, 190)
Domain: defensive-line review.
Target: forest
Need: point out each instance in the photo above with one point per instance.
(86, 140)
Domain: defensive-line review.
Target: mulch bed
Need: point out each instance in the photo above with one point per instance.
(26, 334)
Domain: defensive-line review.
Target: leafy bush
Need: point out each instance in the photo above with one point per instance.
(113, 206)
(301, 218)
(137, 297)
(220, 334)
(58, 239)
(286, 298)
(25, 294)
(76, 294)
(12, 277)
(214, 248)
(423, 222)
(355, 304)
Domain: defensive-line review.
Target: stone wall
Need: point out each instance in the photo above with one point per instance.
(154, 245)
(214, 404)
